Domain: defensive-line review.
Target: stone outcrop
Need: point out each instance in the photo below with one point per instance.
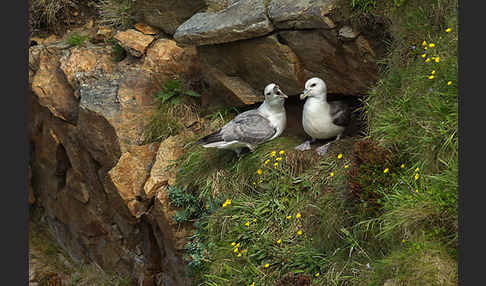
(169, 14)
(103, 190)
(302, 14)
(89, 164)
(242, 20)
(135, 42)
(249, 44)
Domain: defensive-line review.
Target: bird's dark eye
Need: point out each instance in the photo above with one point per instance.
(268, 93)
(312, 85)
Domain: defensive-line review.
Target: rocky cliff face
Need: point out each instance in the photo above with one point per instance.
(102, 189)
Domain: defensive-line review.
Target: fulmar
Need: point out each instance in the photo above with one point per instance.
(252, 127)
(322, 119)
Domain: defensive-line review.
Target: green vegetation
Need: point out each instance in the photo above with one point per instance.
(116, 13)
(376, 208)
(77, 39)
(117, 51)
(173, 102)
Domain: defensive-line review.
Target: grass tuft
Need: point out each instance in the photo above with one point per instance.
(116, 13)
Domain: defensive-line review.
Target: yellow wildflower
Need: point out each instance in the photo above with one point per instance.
(432, 72)
(423, 55)
(235, 250)
(431, 45)
(233, 243)
(281, 152)
(273, 153)
(427, 60)
(260, 181)
(403, 240)
(402, 166)
(299, 232)
(448, 30)
(247, 223)
(289, 217)
(417, 169)
(239, 254)
(449, 82)
(431, 77)
(346, 166)
(416, 190)
(417, 176)
(437, 59)
(424, 43)
(259, 171)
(317, 274)
(252, 284)
(332, 174)
(386, 170)
(278, 158)
(254, 220)
(266, 162)
(275, 164)
(238, 244)
(340, 156)
(279, 241)
(297, 215)
(227, 202)
(425, 48)
(267, 265)
(244, 251)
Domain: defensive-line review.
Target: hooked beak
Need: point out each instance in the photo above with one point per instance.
(305, 94)
(280, 93)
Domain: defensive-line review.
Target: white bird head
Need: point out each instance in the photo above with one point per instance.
(314, 87)
(274, 95)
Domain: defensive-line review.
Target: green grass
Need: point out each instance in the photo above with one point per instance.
(386, 210)
(116, 13)
(77, 39)
(173, 102)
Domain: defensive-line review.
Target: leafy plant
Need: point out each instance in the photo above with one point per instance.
(77, 39)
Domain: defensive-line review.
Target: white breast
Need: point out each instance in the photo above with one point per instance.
(317, 120)
(278, 121)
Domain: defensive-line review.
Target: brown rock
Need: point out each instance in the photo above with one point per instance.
(235, 90)
(85, 62)
(130, 174)
(258, 62)
(52, 88)
(76, 186)
(146, 29)
(103, 33)
(347, 67)
(179, 234)
(161, 173)
(167, 60)
(134, 41)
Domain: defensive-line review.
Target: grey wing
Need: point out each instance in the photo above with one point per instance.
(249, 127)
(340, 113)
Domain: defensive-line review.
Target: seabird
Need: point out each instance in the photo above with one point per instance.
(252, 127)
(322, 119)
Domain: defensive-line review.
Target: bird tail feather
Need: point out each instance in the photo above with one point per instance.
(211, 138)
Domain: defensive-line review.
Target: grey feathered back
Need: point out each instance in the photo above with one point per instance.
(249, 127)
